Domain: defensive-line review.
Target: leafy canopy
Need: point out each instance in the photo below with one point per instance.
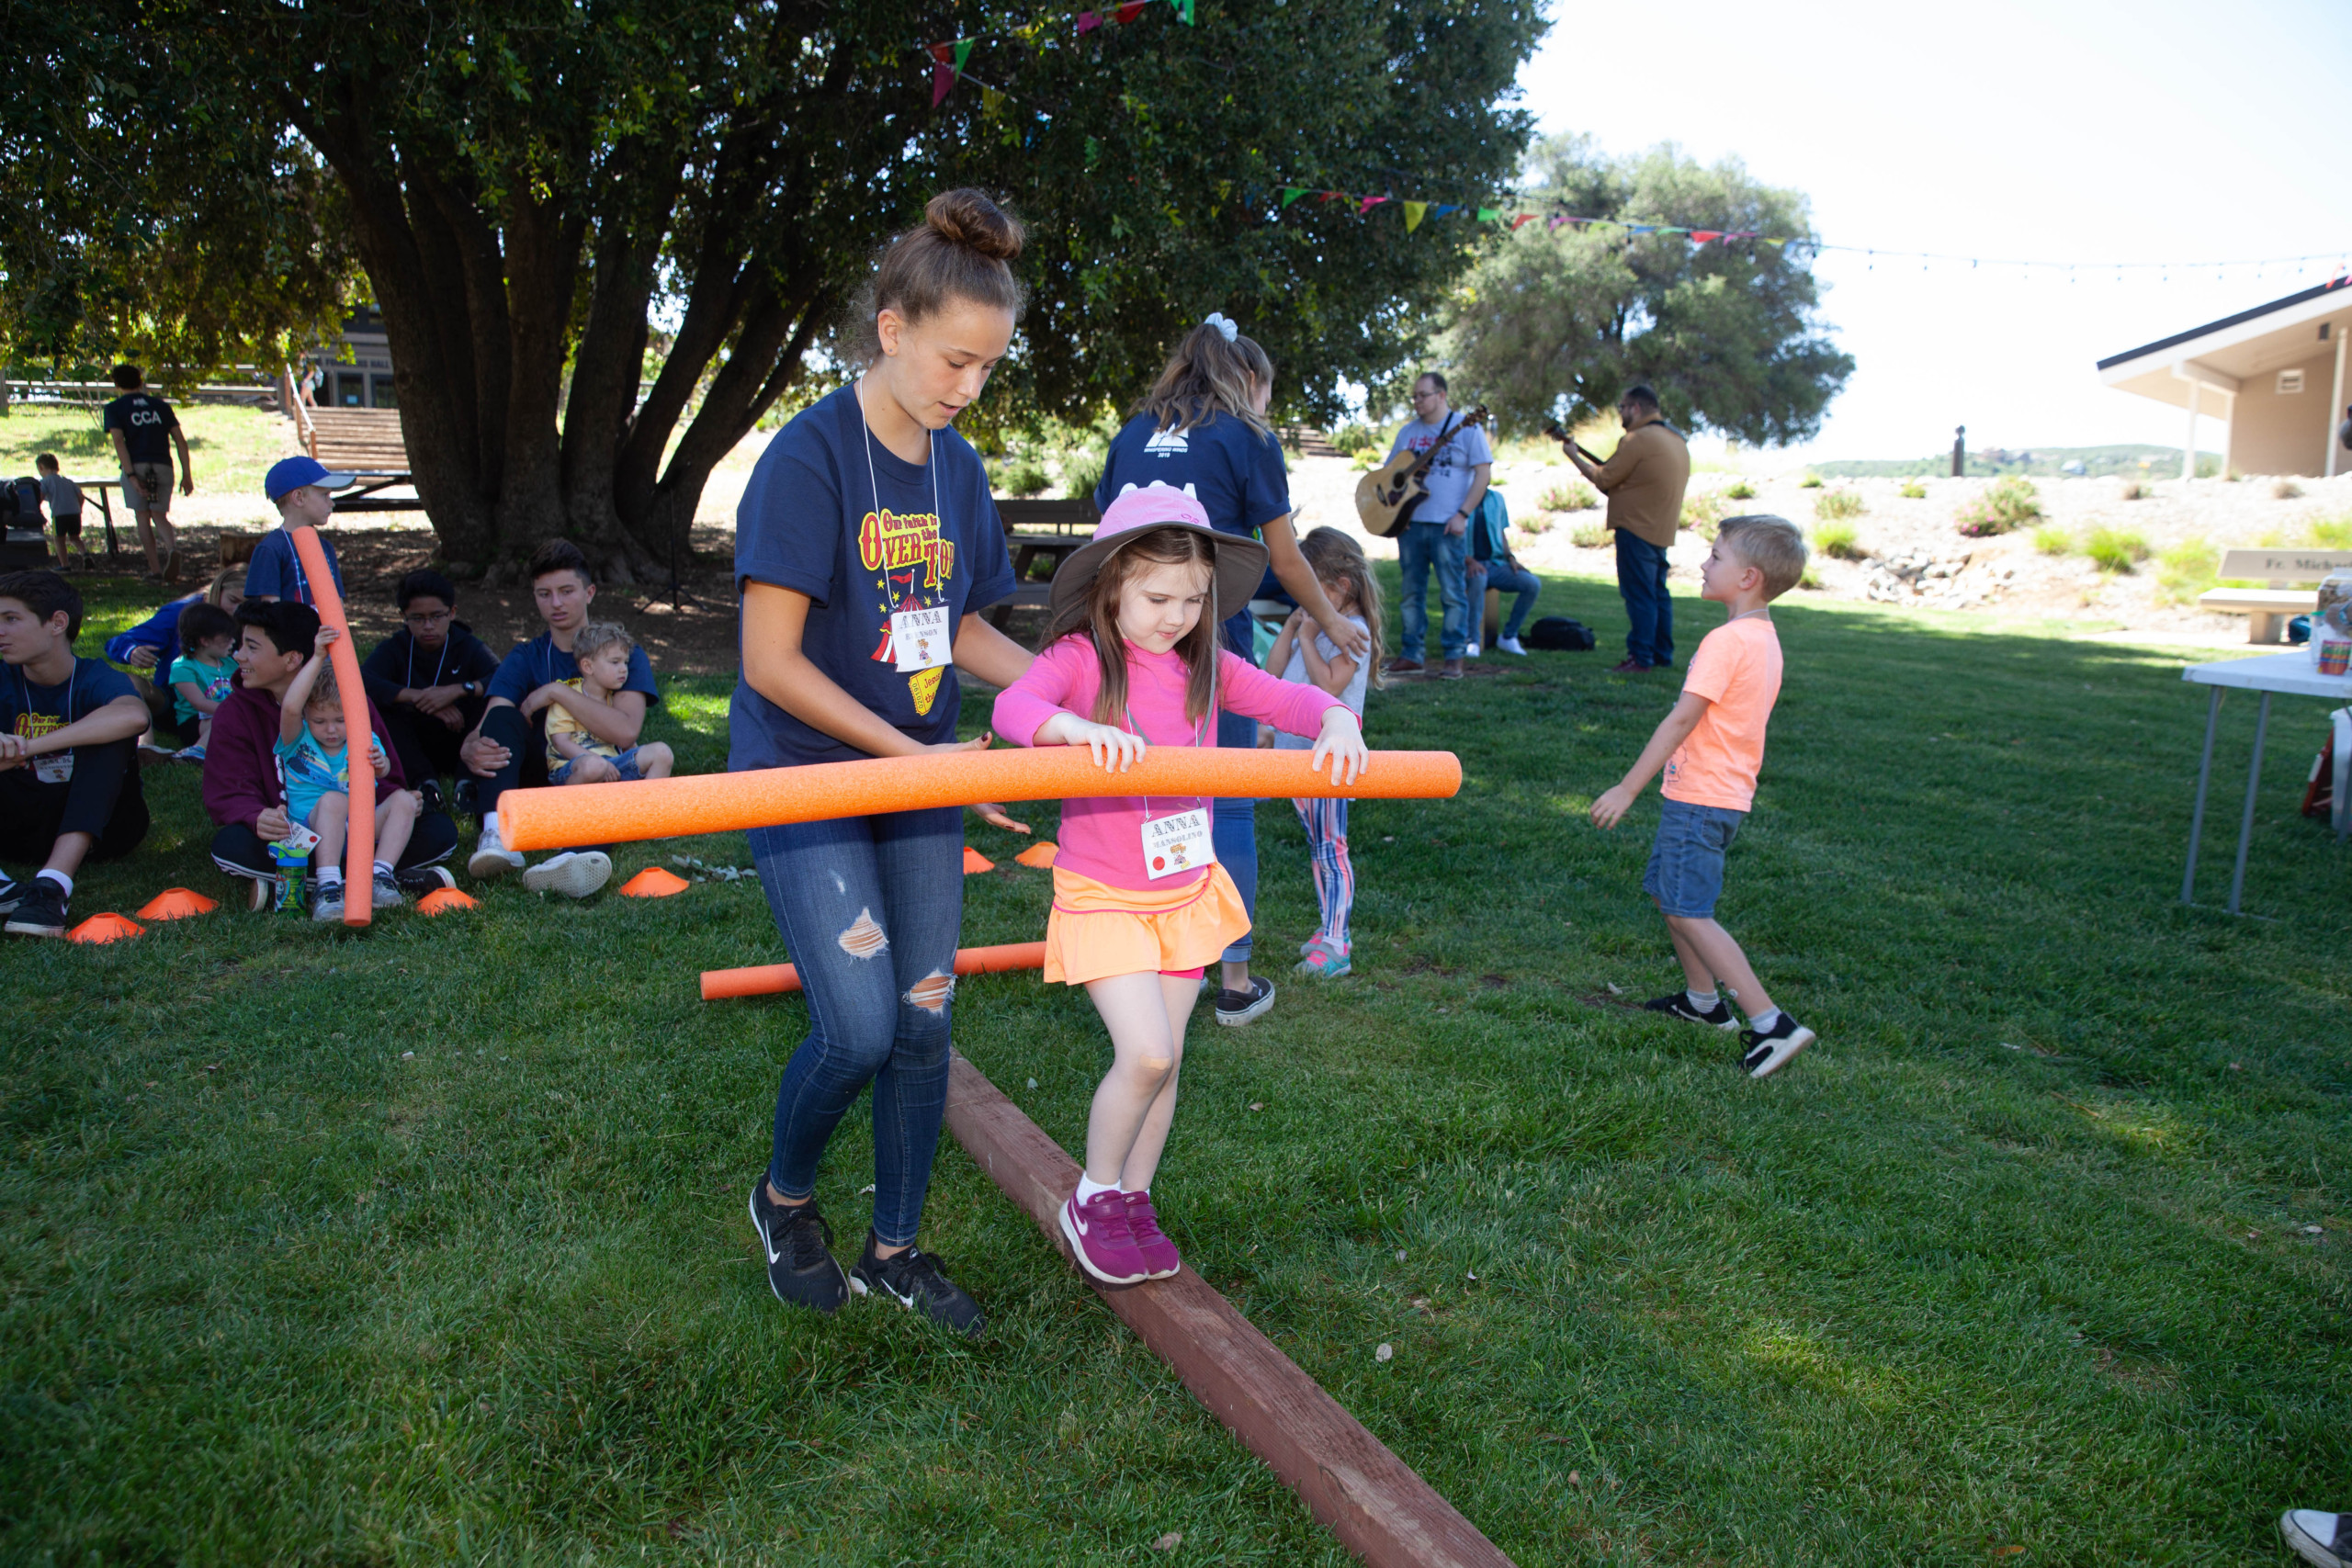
(1558, 322)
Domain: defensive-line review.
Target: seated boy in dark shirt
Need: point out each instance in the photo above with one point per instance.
(430, 680)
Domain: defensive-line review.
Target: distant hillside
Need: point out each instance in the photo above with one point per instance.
(2156, 462)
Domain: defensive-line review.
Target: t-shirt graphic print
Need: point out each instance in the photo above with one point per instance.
(911, 564)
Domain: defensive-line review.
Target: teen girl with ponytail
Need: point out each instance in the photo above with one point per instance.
(1202, 429)
(867, 544)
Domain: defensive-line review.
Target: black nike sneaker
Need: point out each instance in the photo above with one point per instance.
(1770, 1050)
(912, 1280)
(40, 911)
(1678, 1006)
(802, 1269)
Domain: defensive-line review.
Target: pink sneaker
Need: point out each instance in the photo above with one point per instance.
(1159, 1253)
(1098, 1233)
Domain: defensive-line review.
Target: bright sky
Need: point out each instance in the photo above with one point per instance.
(2090, 131)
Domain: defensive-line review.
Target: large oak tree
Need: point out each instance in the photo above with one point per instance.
(536, 190)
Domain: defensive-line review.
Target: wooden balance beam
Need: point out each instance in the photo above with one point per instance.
(556, 819)
(1362, 1493)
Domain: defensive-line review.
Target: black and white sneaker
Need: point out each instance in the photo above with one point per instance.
(2321, 1540)
(12, 893)
(1678, 1006)
(417, 881)
(39, 911)
(802, 1269)
(1772, 1049)
(913, 1280)
(1239, 1008)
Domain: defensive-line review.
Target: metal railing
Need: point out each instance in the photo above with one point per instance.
(306, 431)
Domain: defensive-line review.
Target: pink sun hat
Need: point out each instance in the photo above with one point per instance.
(1240, 562)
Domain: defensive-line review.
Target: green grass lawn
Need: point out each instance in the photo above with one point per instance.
(229, 447)
(427, 1245)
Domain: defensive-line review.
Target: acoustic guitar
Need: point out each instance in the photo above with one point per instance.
(1557, 432)
(1385, 497)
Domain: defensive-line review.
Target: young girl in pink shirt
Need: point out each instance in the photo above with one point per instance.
(1141, 905)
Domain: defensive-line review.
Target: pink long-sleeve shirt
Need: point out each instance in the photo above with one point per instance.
(1102, 837)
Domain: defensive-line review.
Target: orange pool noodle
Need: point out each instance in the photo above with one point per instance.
(1039, 854)
(177, 904)
(772, 979)
(654, 883)
(111, 927)
(975, 861)
(443, 900)
(552, 818)
(359, 840)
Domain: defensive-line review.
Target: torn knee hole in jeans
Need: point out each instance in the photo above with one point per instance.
(931, 992)
(864, 939)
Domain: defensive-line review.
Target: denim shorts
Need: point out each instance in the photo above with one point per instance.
(1686, 871)
(625, 762)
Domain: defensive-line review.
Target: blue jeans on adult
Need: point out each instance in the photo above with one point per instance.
(1233, 824)
(1640, 580)
(1417, 547)
(868, 907)
(1509, 579)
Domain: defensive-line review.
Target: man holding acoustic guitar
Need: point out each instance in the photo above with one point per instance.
(1436, 474)
(1644, 481)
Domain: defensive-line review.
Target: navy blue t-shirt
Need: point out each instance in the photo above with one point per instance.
(1234, 473)
(535, 663)
(33, 710)
(146, 422)
(862, 542)
(276, 571)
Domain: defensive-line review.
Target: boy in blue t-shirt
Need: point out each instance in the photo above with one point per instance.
(302, 491)
(314, 761)
(69, 776)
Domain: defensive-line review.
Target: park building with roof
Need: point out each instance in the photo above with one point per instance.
(2275, 373)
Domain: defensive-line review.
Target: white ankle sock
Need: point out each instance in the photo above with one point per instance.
(489, 822)
(330, 876)
(1762, 1023)
(65, 883)
(383, 868)
(1088, 1187)
(1704, 1000)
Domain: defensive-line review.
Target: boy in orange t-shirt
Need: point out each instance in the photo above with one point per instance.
(1712, 746)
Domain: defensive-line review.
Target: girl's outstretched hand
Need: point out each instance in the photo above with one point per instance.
(1115, 749)
(1341, 740)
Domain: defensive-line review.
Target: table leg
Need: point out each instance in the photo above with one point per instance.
(2245, 822)
(107, 512)
(2197, 816)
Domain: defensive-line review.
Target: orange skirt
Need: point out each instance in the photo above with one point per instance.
(1097, 930)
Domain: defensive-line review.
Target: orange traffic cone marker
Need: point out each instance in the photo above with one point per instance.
(654, 883)
(443, 900)
(109, 927)
(177, 904)
(976, 863)
(1039, 854)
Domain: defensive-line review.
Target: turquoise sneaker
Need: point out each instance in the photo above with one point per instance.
(1324, 961)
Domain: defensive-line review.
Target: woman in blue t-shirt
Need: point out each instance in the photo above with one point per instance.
(1202, 429)
(865, 547)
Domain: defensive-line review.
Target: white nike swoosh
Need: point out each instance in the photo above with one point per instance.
(1080, 1223)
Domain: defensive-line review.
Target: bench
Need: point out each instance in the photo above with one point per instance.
(2270, 608)
(1035, 531)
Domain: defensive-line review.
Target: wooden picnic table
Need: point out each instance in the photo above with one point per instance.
(1034, 531)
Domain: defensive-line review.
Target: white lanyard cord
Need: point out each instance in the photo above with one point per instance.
(436, 664)
(25, 685)
(931, 453)
(1200, 732)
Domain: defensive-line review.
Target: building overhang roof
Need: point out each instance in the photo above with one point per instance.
(2221, 356)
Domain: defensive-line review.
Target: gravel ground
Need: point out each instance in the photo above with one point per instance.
(2005, 578)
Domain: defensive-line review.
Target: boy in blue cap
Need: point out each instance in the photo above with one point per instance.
(302, 489)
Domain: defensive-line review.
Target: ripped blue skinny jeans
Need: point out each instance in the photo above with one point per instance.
(868, 907)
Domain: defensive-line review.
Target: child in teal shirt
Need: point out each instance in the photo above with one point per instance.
(199, 679)
(314, 761)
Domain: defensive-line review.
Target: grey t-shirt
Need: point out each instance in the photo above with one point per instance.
(62, 496)
(1449, 476)
(1295, 670)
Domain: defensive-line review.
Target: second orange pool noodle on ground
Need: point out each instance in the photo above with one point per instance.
(773, 979)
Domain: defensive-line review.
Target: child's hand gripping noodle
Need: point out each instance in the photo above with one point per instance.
(1141, 905)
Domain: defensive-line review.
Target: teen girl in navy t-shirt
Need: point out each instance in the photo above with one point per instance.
(867, 544)
(1203, 430)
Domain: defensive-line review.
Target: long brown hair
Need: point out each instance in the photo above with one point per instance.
(1333, 557)
(1208, 376)
(1096, 618)
(960, 251)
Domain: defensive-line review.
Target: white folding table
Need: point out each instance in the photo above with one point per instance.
(2281, 674)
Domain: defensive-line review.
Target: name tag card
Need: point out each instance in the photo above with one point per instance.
(1177, 842)
(920, 638)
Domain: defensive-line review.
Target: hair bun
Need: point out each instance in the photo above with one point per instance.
(968, 218)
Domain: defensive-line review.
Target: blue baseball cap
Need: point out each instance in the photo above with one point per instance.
(295, 472)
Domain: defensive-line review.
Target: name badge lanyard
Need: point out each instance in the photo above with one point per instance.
(436, 664)
(51, 767)
(906, 621)
(1187, 831)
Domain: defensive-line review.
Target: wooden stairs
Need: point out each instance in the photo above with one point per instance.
(360, 440)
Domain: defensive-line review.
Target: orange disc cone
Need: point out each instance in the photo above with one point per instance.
(442, 900)
(976, 863)
(1039, 854)
(654, 883)
(177, 904)
(109, 927)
